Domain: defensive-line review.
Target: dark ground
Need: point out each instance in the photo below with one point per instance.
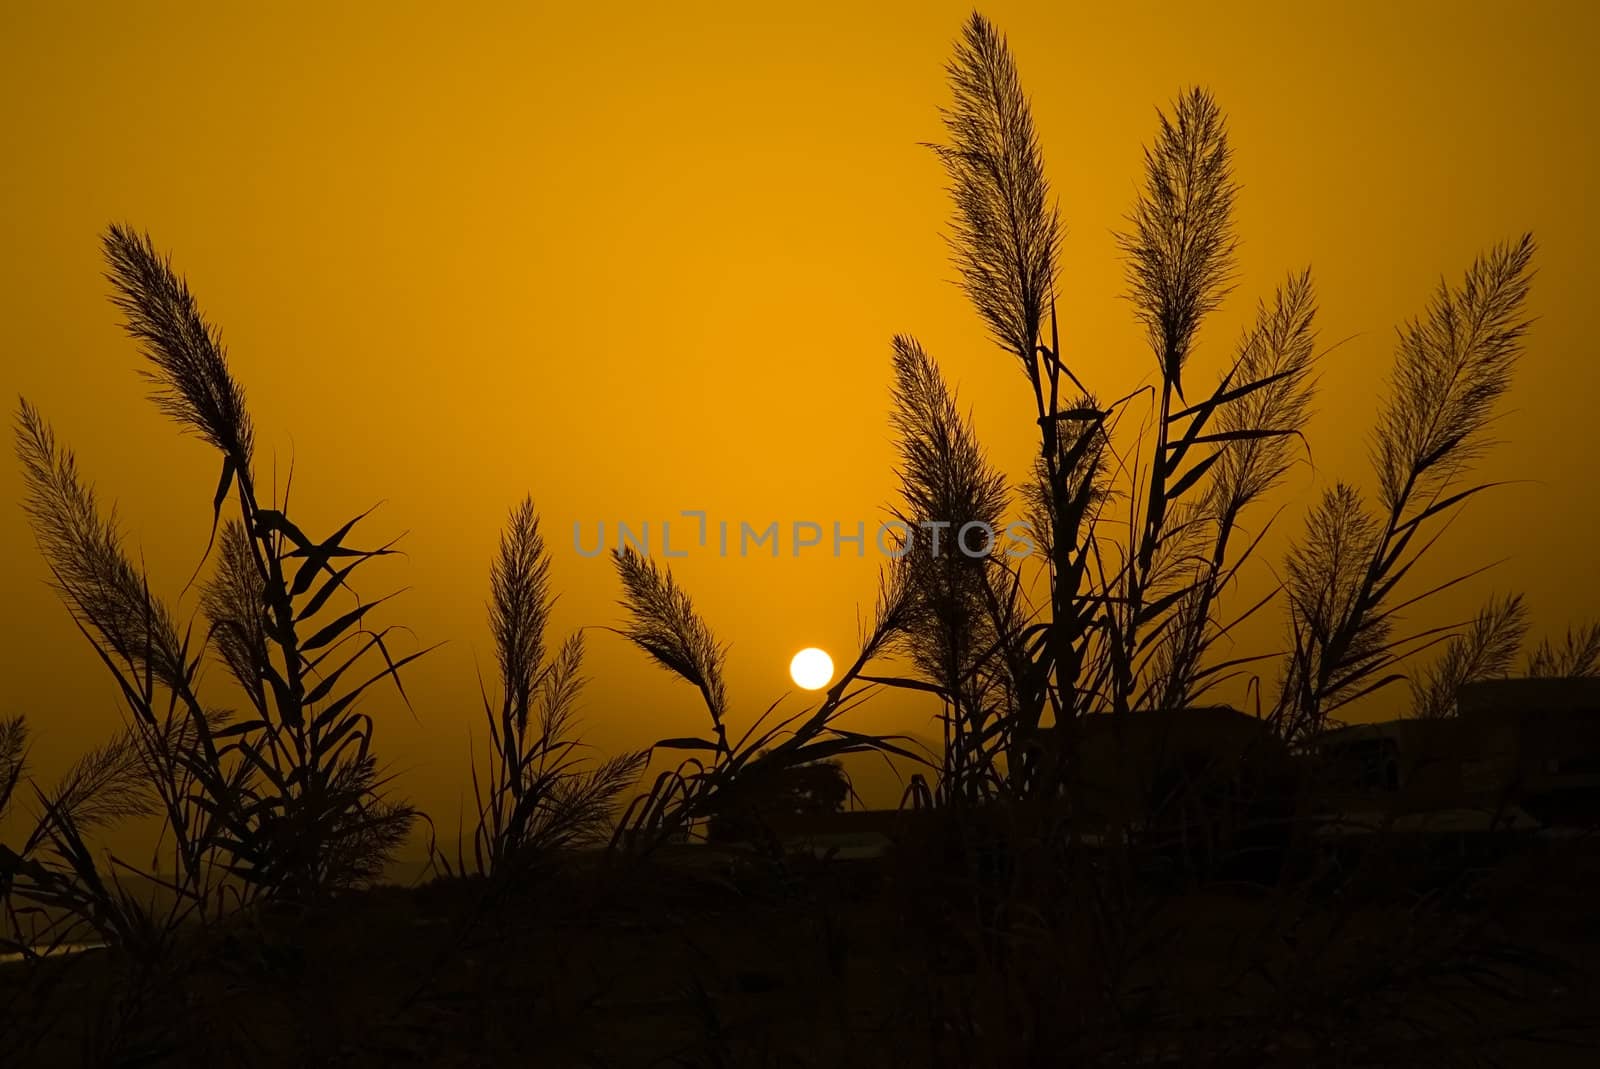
(1397, 956)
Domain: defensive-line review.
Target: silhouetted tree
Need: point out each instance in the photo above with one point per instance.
(804, 790)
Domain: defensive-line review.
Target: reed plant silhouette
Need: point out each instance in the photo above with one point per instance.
(539, 794)
(283, 800)
(952, 505)
(724, 771)
(1452, 367)
(1577, 654)
(1142, 531)
(1067, 926)
(1133, 594)
(13, 758)
(1488, 648)
(1485, 650)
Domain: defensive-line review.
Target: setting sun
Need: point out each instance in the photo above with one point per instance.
(811, 669)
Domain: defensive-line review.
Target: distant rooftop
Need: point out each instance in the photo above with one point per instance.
(1553, 695)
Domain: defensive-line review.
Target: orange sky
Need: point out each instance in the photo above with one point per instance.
(649, 260)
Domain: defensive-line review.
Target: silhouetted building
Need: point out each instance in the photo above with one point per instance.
(1201, 784)
(1520, 754)
(1537, 740)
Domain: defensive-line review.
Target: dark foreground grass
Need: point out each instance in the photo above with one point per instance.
(707, 958)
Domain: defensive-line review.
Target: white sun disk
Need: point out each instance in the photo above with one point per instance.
(811, 668)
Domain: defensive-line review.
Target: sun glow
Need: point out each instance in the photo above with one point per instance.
(811, 668)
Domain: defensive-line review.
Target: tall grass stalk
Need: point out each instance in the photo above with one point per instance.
(284, 799)
(721, 769)
(539, 793)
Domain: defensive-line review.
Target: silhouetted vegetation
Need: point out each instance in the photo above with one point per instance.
(663, 623)
(540, 794)
(1097, 865)
(799, 791)
(283, 801)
